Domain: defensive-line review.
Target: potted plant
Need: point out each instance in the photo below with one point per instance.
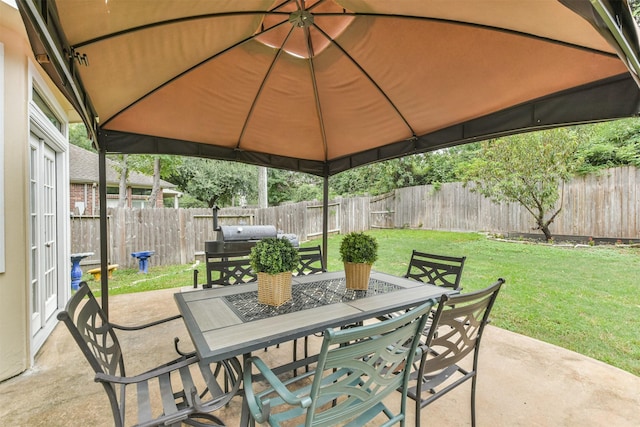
(358, 251)
(273, 260)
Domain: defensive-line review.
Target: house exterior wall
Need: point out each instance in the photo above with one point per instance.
(14, 308)
(18, 71)
(87, 195)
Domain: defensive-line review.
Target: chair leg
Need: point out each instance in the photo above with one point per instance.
(306, 352)
(418, 410)
(418, 400)
(295, 356)
(473, 401)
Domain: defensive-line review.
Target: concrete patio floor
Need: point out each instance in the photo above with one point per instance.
(522, 381)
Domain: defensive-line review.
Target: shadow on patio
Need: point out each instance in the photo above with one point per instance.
(522, 382)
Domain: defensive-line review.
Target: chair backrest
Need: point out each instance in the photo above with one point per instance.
(439, 270)
(311, 261)
(362, 365)
(93, 333)
(456, 330)
(229, 269)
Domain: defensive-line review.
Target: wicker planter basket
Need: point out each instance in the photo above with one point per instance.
(274, 289)
(357, 275)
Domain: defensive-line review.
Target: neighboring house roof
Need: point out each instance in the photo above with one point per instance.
(83, 168)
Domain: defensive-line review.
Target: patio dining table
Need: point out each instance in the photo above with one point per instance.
(229, 321)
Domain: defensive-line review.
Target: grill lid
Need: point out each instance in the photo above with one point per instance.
(235, 233)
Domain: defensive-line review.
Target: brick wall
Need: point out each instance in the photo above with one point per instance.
(89, 195)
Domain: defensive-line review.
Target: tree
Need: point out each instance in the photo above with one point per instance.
(78, 136)
(158, 166)
(262, 187)
(635, 8)
(217, 182)
(419, 169)
(155, 188)
(610, 144)
(527, 169)
(122, 166)
(289, 186)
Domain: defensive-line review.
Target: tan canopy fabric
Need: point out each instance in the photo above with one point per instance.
(321, 86)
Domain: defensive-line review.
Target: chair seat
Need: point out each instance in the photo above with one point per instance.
(177, 393)
(430, 383)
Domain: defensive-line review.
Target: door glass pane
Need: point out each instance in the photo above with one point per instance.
(33, 207)
(48, 189)
(34, 282)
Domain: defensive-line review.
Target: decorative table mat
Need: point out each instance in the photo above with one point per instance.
(304, 296)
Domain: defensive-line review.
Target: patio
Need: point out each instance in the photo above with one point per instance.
(522, 382)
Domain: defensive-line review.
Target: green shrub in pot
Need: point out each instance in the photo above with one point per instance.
(357, 247)
(274, 256)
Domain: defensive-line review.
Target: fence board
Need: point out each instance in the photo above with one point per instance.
(354, 215)
(85, 237)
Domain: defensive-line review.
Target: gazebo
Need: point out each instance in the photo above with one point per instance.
(321, 86)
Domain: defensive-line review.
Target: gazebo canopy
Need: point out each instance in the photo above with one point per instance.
(321, 86)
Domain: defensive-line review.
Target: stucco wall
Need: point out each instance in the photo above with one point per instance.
(19, 69)
(14, 306)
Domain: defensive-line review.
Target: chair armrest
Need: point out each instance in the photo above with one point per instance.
(155, 323)
(169, 367)
(261, 414)
(176, 340)
(146, 325)
(421, 349)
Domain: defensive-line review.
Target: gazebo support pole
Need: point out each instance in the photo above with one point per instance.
(104, 239)
(325, 217)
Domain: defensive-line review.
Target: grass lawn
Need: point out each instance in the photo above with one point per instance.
(585, 299)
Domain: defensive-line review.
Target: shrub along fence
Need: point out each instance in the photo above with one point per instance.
(606, 205)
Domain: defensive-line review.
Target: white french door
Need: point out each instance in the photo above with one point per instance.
(42, 210)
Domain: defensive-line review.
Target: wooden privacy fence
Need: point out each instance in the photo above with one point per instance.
(606, 205)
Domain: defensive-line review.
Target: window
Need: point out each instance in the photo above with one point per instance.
(138, 204)
(141, 191)
(46, 110)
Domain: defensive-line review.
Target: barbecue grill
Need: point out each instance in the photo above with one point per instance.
(236, 241)
(241, 238)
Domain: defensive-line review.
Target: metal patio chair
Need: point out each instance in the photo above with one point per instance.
(357, 368)
(229, 269)
(439, 270)
(311, 261)
(165, 395)
(454, 335)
